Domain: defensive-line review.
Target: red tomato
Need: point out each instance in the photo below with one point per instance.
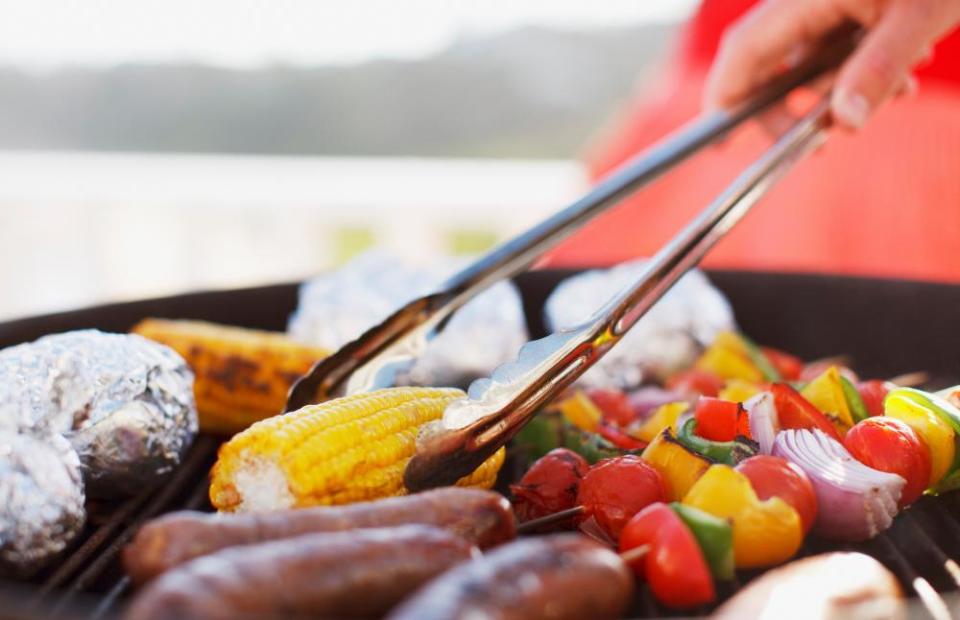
(787, 365)
(891, 446)
(619, 438)
(616, 489)
(696, 382)
(550, 485)
(614, 404)
(717, 419)
(872, 393)
(795, 411)
(772, 476)
(674, 566)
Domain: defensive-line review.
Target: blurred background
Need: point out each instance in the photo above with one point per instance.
(150, 147)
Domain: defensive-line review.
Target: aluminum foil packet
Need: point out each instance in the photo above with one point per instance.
(671, 335)
(41, 500)
(337, 307)
(125, 404)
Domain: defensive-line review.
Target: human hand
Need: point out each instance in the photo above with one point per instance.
(778, 33)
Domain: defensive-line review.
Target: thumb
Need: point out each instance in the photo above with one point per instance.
(882, 62)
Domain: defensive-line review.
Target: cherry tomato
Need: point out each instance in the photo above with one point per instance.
(787, 365)
(872, 393)
(717, 419)
(550, 485)
(674, 565)
(772, 476)
(795, 411)
(616, 489)
(695, 381)
(614, 404)
(889, 445)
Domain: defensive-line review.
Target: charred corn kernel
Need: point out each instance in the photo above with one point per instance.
(344, 450)
(242, 375)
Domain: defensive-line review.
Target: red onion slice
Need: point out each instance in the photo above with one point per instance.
(856, 502)
(764, 423)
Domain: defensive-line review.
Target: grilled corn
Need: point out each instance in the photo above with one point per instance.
(242, 375)
(345, 450)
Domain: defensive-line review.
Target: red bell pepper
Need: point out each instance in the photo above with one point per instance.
(695, 381)
(619, 438)
(675, 566)
(614, 404)
(794, 411)
(717, 419)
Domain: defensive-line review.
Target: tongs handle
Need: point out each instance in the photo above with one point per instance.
(497, 408)
(360, 365)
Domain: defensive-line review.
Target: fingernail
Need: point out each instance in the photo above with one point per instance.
(851, 108)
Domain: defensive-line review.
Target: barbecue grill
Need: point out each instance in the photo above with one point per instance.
(889, 327)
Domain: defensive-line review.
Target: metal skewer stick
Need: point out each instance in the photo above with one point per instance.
(498, 407)
(373, 359)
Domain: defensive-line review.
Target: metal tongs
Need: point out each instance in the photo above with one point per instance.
(498, 407)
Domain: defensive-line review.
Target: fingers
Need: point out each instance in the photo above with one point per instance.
(758, 46)
(880, 67)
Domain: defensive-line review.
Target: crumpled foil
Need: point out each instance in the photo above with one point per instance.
(41, 500)
(668, 338)
(125, 403)
(339, 306)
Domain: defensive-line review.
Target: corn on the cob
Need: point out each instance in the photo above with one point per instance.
(341, 451)
(242, 375)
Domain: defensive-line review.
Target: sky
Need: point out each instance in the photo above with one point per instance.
(49, 34)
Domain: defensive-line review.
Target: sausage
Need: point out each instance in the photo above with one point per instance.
(484, 518)
(831, 585)
(550, 577)
(359, 574)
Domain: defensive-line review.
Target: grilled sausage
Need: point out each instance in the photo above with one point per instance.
(831, 585)
(551, 577)
(359, 574)
(482, 517)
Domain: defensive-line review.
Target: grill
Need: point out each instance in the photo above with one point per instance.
(876, 321)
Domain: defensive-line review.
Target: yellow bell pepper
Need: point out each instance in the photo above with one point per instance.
(935, 432)
(765, 532)
(826, 394)
(679, 466)
(738, 391)
(664, 416)
(727, 358)
(580, 411)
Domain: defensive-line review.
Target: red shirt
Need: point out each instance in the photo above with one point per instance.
(882, 202)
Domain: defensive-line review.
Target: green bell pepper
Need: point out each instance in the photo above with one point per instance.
(725, 452)
(715, 536)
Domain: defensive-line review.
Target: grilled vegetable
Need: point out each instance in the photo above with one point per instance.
(664, 416)
(550, 485)
(772, 476)
(679, 465)
(826, 393)
(855, 502)
(675, 565)
(717, 418)
(616, 489)
(341, 451)
(728, 357)
(889, 445)
(795, 411)
(765, 532)
(714, 535)
(242, 375)
(727, 452)
(919, 414)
